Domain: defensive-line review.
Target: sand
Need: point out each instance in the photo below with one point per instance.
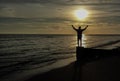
(105, 69)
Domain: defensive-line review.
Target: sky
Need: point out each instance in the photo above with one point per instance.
(57, 16)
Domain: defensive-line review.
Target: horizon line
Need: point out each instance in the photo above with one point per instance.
(50, 34)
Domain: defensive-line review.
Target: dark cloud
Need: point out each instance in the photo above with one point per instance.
(1, 7)
(29, 20)
(65, 2)
(26, 1)
(107, 19)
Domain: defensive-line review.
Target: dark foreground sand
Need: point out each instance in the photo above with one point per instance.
(105, 69)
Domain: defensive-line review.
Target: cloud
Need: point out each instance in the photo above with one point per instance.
(29, 20)
(27, 1)
(48, 25)
(93, 20)
(108, 19)
(65, 2)
(45, 15)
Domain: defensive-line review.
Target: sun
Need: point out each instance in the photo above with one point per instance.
(81, 14)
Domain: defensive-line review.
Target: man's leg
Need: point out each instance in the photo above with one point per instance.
(78, 42)
(81, 42)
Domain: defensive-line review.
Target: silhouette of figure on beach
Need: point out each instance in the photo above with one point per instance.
(79, 35)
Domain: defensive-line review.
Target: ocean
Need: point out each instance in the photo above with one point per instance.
(25, 55)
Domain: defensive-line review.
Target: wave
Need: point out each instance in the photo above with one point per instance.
(106, 44)
(24, 52)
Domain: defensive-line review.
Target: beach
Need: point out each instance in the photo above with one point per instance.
(106, 69)
(32, 58)
(59, 40)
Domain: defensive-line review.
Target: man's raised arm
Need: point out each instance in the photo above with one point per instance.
(74, 28)
(85, 28)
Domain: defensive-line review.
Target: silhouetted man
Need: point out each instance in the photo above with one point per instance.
(79, 34)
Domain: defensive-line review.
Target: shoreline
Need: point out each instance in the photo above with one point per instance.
(58, 74)
(100, 70)
(24, 75)
(105, 68)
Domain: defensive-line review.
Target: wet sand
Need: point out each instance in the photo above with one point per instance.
(107, 69)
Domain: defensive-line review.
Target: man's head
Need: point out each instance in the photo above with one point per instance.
(79, 28)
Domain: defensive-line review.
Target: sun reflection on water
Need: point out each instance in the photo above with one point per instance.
(84, 38)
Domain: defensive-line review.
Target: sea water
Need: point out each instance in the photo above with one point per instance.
(22, 56)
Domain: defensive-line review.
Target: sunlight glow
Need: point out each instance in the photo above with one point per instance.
(81, 14)
(84, 40)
